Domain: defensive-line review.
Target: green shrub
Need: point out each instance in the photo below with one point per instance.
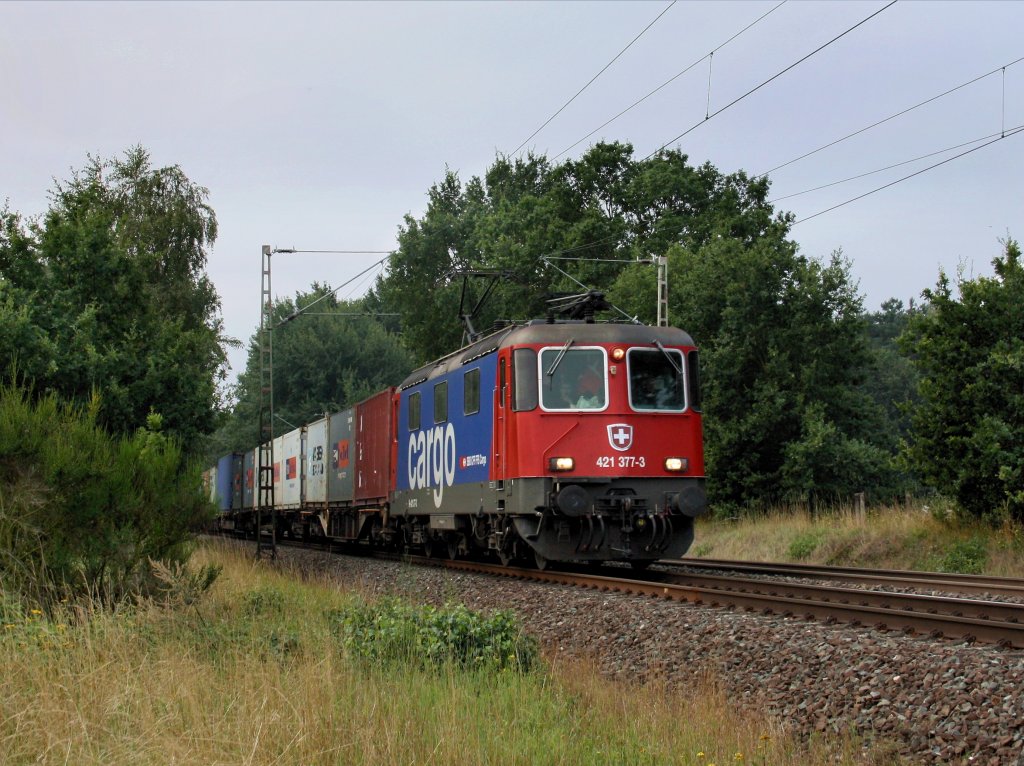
(803, 545)
(392, 631)
(83, 512)
(965, 557)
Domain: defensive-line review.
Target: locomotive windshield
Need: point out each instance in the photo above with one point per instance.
(573, 379)
(656, 379)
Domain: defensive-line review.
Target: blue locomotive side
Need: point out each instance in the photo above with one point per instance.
(444, 431)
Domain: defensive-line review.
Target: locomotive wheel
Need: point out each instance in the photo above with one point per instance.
(453, 547)
(540, 561)
(430, 548)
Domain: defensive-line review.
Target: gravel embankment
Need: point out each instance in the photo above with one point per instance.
(942, 701)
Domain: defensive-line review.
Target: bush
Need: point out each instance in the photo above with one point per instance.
(804, 544)
(391, 631)
(82, 512)
(965, 557)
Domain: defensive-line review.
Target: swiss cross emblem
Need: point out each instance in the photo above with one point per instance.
(620, 436)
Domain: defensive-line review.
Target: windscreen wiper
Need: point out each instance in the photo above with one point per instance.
(558, 359)
(676, 367)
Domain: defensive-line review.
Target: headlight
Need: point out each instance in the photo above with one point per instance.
(675, 464)
(561, 464)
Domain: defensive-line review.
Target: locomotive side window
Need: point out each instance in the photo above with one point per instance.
(441, 402)
(414, 411)
(471, 392)
(656, 380)
(573, 379)
(693, 378)
(524, 377)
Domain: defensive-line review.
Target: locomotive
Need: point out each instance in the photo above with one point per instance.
(565, 440)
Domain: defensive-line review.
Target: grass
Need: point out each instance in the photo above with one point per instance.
(255, 674)
(888, 538)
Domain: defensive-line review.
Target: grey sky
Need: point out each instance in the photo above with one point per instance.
(319, 125)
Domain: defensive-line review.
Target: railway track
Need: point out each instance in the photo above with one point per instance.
(935, 616)
(957, 618)
(936, 581)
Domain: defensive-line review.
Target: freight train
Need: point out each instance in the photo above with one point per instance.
(563, 440)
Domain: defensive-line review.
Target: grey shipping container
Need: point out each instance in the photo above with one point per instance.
(341, 469)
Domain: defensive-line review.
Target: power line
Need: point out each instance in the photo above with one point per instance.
(668, 81)
(290, 250)
(549, 119)
(890, 117)
(1011, 132)
(297, 312)
(770, 79)
(887, 167)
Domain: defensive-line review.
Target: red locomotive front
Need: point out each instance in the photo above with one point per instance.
(598, 441)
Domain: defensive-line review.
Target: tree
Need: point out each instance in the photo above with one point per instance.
(783, 340)
(602, 207)
(892, 378)
(968, 346)
(783, 352)
(323, 362)
(84, 512)
(108, 293)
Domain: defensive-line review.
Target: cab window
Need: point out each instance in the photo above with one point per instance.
(573, 379)
(471, 392)
(656, 380)
(414, 411)
(441, 402)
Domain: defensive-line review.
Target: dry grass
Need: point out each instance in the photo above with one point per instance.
(255, 676)
(889, 538)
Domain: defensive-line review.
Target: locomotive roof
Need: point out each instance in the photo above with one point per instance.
(540, 332)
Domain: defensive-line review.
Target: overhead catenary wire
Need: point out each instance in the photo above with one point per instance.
(670, 80)
(891, 117)
(298, 312)
(590, 82)
(887, 167)
(548, 263)
(772, 78)
(1011, 132)
(291, 250)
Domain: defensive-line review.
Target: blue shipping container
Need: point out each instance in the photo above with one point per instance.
(225, 483)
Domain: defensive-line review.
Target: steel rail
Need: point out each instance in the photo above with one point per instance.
(991, 631)
(912, 602)
(961, 583)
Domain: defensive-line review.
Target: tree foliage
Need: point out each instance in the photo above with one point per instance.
(83, 512)
(783, 354)
(968, 346)
(107, 293)
(602, 208)
(323, 361)
(783, 337)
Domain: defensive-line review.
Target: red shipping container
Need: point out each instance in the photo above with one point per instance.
(374, 426)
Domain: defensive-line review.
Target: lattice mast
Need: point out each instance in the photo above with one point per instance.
(265, 462)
